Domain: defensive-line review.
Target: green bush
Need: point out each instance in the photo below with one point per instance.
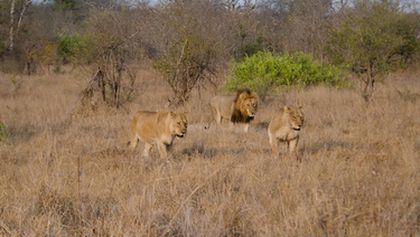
(75, 49)
(2, 48)
(4, 132)
(265, 72)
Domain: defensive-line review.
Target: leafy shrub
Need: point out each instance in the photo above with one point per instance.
(265, 72)
(4, 131)
(2, 48)
(75, 49)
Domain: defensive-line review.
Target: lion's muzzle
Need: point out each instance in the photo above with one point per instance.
(251, 114)
(182, 133)
(297, 127)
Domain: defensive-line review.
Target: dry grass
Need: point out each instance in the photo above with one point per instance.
(65, 177)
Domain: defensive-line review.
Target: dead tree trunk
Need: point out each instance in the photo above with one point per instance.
(22, 13)
(369, 82)
(12, 25)
(117, 81)
(14, 29)
(100, 78)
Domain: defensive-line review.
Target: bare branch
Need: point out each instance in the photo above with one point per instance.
(12, 25)
(22, 13)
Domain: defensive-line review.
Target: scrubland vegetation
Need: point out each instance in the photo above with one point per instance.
(64, 176)
(72, 73)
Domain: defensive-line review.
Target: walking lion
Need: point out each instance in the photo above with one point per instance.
(286, 126)
(157, 128)
(241, 108)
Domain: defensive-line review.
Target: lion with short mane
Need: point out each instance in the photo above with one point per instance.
(285, 126)
(241, 108)
(157, 128)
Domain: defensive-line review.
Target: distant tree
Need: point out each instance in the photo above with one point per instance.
(67, 4)
(188, 59)
(17, 12)
(111, 40)
(374, 39)
(306, 23)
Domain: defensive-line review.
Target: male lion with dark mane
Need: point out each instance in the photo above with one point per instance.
(285, 126)
(241, 108)
(157, 128)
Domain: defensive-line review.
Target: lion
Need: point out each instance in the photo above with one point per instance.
(241, 108)
(285, 126)
(157, 128)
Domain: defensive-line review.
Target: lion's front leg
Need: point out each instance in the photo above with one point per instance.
(146, 150)
(246, 127)
(292, 147)
(162, 150)
(231, 125)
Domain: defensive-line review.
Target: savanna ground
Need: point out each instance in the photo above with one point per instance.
(64, 175)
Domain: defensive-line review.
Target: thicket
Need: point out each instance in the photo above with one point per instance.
(189, 57)
(374, 39)
(75, 49)
(188, 41)
(111, 41)
(265, 72)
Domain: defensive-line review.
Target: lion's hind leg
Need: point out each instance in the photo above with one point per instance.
(134, 137)
(217, 116)
(217, 113)
(133, 141)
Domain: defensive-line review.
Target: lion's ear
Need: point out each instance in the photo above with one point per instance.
(172, 114)
(286, 108)
(242, 96)
(253, 94)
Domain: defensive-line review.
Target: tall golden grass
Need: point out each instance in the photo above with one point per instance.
(64, 175)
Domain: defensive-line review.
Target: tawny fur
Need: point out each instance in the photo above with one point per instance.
(157, 128)
(286, 126)
(240, 108)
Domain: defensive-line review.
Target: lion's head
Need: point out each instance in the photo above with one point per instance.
(295, 117)
(178, 124)
(245, 106)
